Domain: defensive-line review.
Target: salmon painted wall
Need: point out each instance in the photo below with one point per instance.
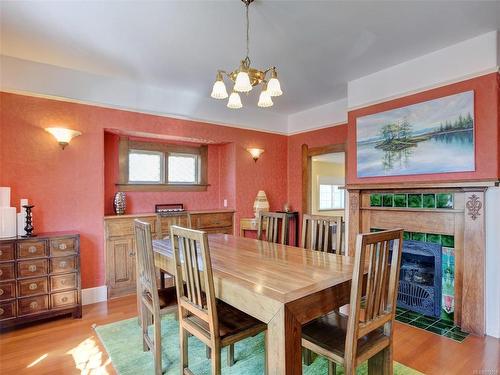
(486, 107)
(316, 138)
(68, 186)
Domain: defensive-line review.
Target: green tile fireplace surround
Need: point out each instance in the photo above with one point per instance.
(450, 214)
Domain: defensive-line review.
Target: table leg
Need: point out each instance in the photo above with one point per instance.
(284, 344)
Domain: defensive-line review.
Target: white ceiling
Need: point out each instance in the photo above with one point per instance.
(318, 46)
(335, 157)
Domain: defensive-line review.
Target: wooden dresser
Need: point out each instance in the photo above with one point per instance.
(39, 278)
(120, 242)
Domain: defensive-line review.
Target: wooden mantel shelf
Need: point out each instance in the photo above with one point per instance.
(462, 185)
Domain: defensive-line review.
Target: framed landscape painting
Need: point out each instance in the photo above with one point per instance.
(436, 136)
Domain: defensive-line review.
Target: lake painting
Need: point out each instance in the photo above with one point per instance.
(436, 136)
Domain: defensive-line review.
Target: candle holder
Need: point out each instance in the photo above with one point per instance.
(29, 222)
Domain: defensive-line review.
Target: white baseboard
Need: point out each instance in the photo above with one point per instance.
(93, 295)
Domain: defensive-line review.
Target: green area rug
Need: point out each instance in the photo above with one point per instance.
(123, 343)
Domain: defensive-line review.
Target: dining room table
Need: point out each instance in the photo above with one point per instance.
(283, 286)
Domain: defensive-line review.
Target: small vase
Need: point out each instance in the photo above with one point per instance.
(261, 203)
(120, 203)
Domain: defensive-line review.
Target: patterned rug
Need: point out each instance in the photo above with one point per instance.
(123, 343)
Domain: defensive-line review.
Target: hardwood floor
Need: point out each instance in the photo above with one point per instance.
(69, 346)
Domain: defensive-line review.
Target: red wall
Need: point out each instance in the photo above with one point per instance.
(486, 102)
(68, 187)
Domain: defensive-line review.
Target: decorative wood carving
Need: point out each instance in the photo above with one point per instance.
(474, 206)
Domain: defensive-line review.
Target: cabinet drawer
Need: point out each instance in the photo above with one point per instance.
(7, 271)
(63, 282)
(63, 246)
(32, 305)
(125, 226)
(64, 299)
(7, 290)
(202, 221)
(7, 310)
(6, 251)
(32, 287)
(34, 267)
(31, 249)
(226, 230)
(62, 264)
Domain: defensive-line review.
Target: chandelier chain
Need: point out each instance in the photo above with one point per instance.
(248, 31)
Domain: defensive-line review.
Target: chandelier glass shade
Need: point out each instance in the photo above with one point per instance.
(244, 78)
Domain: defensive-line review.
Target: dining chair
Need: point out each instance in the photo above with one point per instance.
(366, 333)
(201, 314)
(322, 233)
(276, 227)
(153, 302)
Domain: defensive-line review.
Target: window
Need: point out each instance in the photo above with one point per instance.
(154, 166)
(330, 197)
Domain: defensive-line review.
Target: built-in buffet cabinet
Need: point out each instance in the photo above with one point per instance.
(120, 242)
(39, 278)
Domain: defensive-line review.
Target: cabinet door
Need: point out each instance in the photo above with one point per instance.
(120, 266)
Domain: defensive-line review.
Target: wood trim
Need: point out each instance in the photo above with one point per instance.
(123, 160)
(162, 187)
(328, 149)
(461, 186)
(306, 179)
(164, 147)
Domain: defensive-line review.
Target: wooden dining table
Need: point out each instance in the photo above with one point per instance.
(283, 286)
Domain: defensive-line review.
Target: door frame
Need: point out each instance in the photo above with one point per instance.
(307, 154)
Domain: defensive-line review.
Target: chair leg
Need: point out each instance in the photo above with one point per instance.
(307, 355)
(142, 317)
(266, 368)
(184, 349)
(208, 352)
(381, 363)
(216, 360)
(332, 368)
(349, 367)
(157, 345)
(230, 355)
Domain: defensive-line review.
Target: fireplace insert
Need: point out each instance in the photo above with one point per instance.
(420, 278)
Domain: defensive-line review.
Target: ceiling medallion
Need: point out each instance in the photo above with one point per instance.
(246, 77)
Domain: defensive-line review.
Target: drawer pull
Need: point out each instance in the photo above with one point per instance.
(32, 268)
(33, 305)
(63, 264)
(64, 299)
(1, 253)
(63, 282)
(131, 254)
(33, 286)
(1, 311)
(32, 249)
(62, 246)
(1, 292)
(1, 272)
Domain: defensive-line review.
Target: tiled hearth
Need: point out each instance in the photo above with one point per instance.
(443, 327)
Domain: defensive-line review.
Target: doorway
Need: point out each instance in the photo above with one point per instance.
(327, 193)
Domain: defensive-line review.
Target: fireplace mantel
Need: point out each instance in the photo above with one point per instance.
(465, 221)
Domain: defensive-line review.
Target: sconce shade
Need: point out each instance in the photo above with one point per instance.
(63, 135)
(255, 152)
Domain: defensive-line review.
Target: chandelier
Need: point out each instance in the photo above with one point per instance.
(245, 78)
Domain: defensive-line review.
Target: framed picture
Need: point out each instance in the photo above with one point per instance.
(436, 136)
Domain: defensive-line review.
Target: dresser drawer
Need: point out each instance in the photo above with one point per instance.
(62, 264)
(6, 251)
(31, 249)
(7, 271)
(125, 226)
(7, 310)
(32, 287)
(215, 220)
(64, 299)
(33, 267)
(32, 305)
(7, 290)
(63, 246)
(63, 282)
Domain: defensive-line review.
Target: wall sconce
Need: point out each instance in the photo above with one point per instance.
(255, 152)
(63, 135)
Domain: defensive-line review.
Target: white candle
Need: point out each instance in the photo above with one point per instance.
(4, 196)
(8, 222)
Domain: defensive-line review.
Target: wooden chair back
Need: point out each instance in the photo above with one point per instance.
(146, 272)
(317, 233)
(381, 286)
(164, 222)
(276, 227)
(194, 270)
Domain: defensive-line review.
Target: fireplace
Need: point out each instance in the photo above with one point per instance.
(420, 278)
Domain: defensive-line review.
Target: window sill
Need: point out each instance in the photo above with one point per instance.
(162, 187)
